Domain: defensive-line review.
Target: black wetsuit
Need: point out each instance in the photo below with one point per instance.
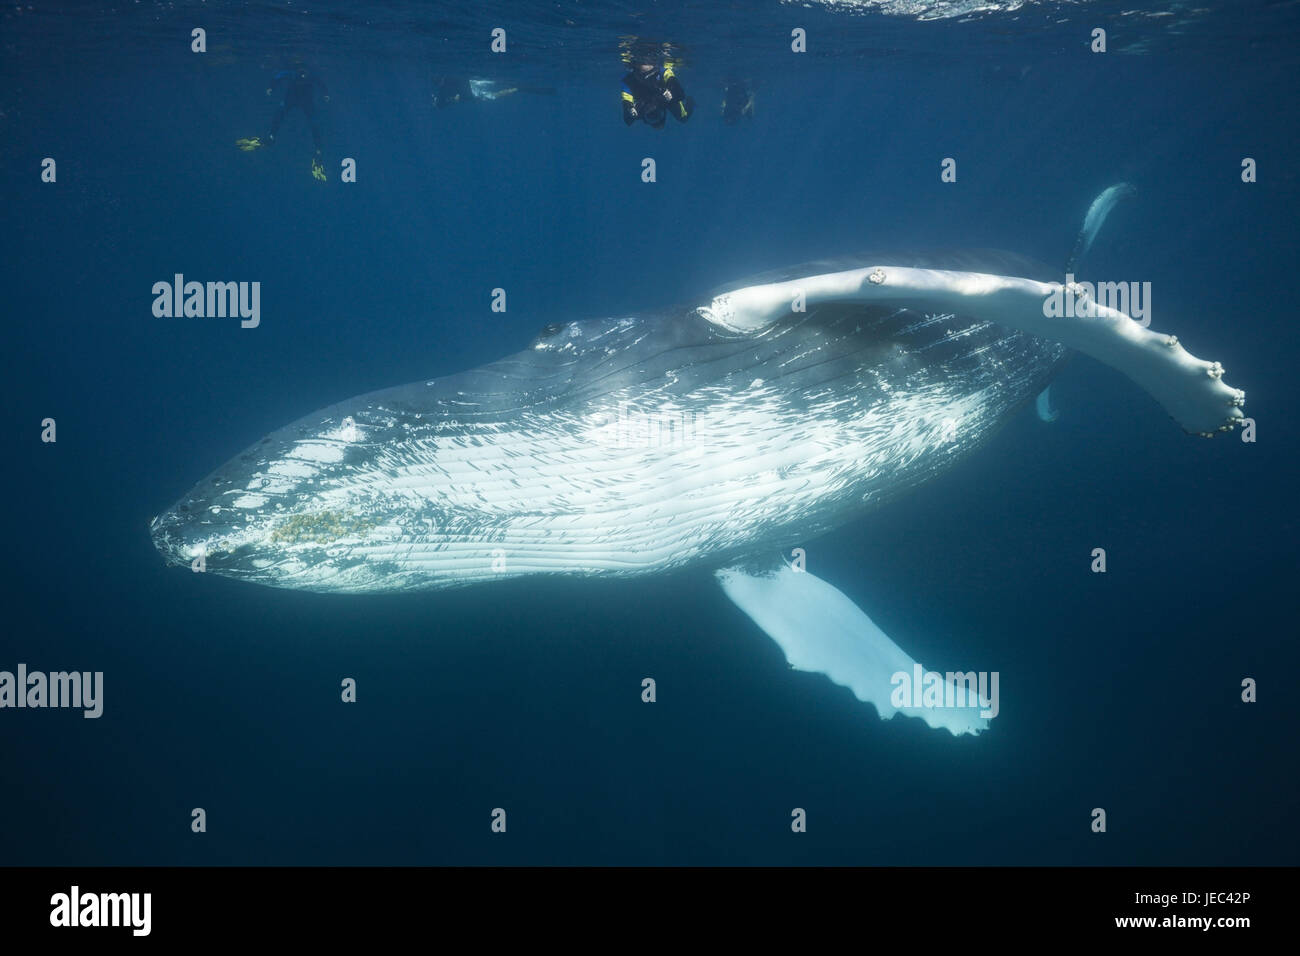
(452, 89)
(300, 92)
(645, 93)
(737, 101)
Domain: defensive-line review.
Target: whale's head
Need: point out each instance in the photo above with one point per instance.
(181, 536)
(293, 510)
(222, 525)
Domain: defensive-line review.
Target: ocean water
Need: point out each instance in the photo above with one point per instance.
(1119, 690)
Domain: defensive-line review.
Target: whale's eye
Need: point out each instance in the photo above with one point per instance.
(550, 330)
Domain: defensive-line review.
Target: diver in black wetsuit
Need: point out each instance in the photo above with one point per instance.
(650, 94)
(300, 86)
(462, 89)
(452, 89)
(737, 102)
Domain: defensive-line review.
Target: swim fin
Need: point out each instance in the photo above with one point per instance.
(248, 145)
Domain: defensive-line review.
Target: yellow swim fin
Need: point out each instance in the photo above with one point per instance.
(248, 145)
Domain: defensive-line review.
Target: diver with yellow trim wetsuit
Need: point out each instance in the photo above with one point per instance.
(650, 93)
(300, 86)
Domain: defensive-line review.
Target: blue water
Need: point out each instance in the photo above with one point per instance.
(1119, 691)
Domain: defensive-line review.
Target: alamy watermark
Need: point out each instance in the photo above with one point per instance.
(652, 427)
(76, 908)
(211, 300)
(83, 690)
(1081, 299)
(932, 689)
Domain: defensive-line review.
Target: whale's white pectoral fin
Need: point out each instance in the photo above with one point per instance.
(822, 631)
(1190, 389)
(1043, 405)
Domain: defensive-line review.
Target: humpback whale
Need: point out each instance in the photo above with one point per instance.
(716, 435)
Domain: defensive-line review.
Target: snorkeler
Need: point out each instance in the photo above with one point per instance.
(650, 93)
(737, 101)
(461, 89)
(300, 86)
